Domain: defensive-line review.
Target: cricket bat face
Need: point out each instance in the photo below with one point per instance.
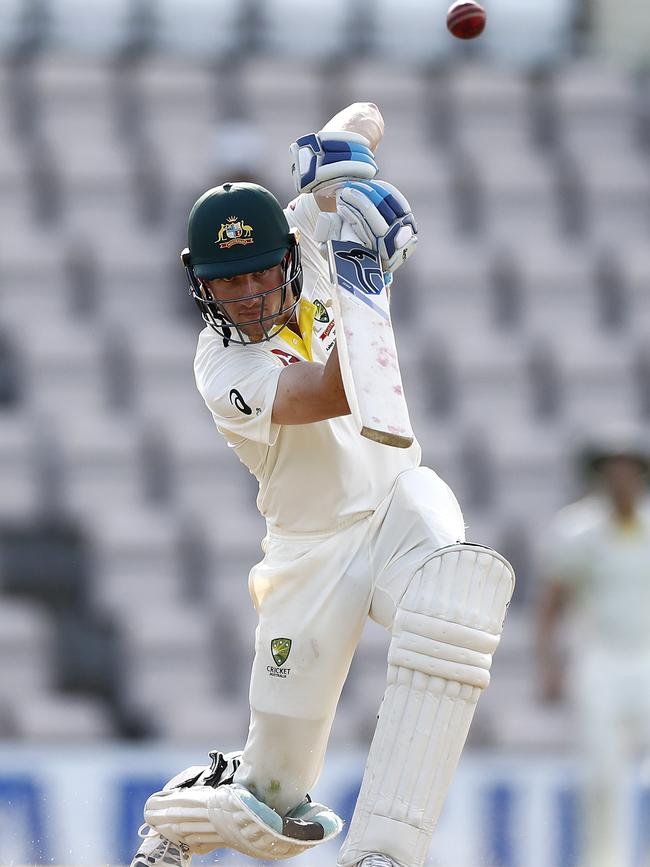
(366, 345)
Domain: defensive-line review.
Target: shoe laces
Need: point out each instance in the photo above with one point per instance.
(377, 860)
(179, 853)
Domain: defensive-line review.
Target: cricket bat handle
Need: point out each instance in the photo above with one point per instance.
(347, 233)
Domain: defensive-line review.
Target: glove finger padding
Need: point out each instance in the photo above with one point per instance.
(320, 158)
(181, 816)
(330, 226)
(381, 218)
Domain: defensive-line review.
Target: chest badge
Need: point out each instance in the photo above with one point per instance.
(321, 312)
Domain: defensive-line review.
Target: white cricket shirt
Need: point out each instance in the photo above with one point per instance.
(312, 477)
(607, 566)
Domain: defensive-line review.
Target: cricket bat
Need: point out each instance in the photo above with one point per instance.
(366, 344)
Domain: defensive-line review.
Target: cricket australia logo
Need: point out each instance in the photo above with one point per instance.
(234, 231)
(280, 649)
(321, 313)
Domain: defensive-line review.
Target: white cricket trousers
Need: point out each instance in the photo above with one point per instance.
(612, 698)
(316, 591)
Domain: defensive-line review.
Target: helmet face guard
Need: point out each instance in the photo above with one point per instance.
(215, 312)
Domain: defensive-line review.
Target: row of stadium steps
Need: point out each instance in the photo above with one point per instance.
(562, 154)
(513, 341)
(483, 166)
(103, 417)
(113, 610)
(124, 32)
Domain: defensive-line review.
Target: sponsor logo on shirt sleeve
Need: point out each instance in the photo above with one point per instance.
(239, 403)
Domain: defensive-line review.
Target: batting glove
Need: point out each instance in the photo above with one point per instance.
(376, 214)
(318, 159)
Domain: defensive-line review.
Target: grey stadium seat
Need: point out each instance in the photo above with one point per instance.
(452, 281)
(162, 360)
(48, 718)
(530, 468)
(197, 30)
(635, 263)
(101, 459)
(12, 29)
(556, 288)
(63, 365)
(617, 189)
(291, 30)
(210, 722)
(528, 34)
(490, 372)
(415, 35)
(99, 29)
(20, 492)
(135, 557)
(489, 107)
(595, 106)
(597, 376)
(26, 645)
(519, 198)
(168, 655)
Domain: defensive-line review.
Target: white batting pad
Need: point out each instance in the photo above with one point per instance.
(446, 630)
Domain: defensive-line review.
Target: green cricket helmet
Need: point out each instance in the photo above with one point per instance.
(234, 229)
(615, 441)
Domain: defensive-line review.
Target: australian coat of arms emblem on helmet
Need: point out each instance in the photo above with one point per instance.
(234, 231)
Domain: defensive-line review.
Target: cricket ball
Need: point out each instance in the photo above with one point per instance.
(465, 19)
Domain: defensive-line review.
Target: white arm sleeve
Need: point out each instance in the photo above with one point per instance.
(304, 213)
(567, 547)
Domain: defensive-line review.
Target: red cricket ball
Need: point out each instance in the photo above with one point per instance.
(466, 19)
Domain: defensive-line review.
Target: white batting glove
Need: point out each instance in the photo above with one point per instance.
(376, 214)
(318, 159)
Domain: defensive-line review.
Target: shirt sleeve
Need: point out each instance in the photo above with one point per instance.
(567, 548)
(238, 385)
(302, 213)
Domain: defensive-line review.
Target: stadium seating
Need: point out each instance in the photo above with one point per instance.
(523, 314)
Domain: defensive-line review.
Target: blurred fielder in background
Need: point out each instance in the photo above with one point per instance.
(355, 529)
(598, 565)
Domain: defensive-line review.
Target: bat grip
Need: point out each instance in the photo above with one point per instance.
(347, 233)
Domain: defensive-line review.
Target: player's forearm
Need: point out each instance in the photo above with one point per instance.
(546, 623)
(309, 392)
(551, 608)
(360, 117)
(333, 382)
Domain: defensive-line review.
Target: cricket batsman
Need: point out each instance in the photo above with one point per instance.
(355, 529)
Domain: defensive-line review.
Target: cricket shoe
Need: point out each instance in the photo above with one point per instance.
(157, 851)
(376, 860)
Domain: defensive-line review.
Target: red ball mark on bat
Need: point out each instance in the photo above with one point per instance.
(385, 357)
(398, 390)
(466, 19)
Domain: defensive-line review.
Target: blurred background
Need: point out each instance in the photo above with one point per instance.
(127, 529)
